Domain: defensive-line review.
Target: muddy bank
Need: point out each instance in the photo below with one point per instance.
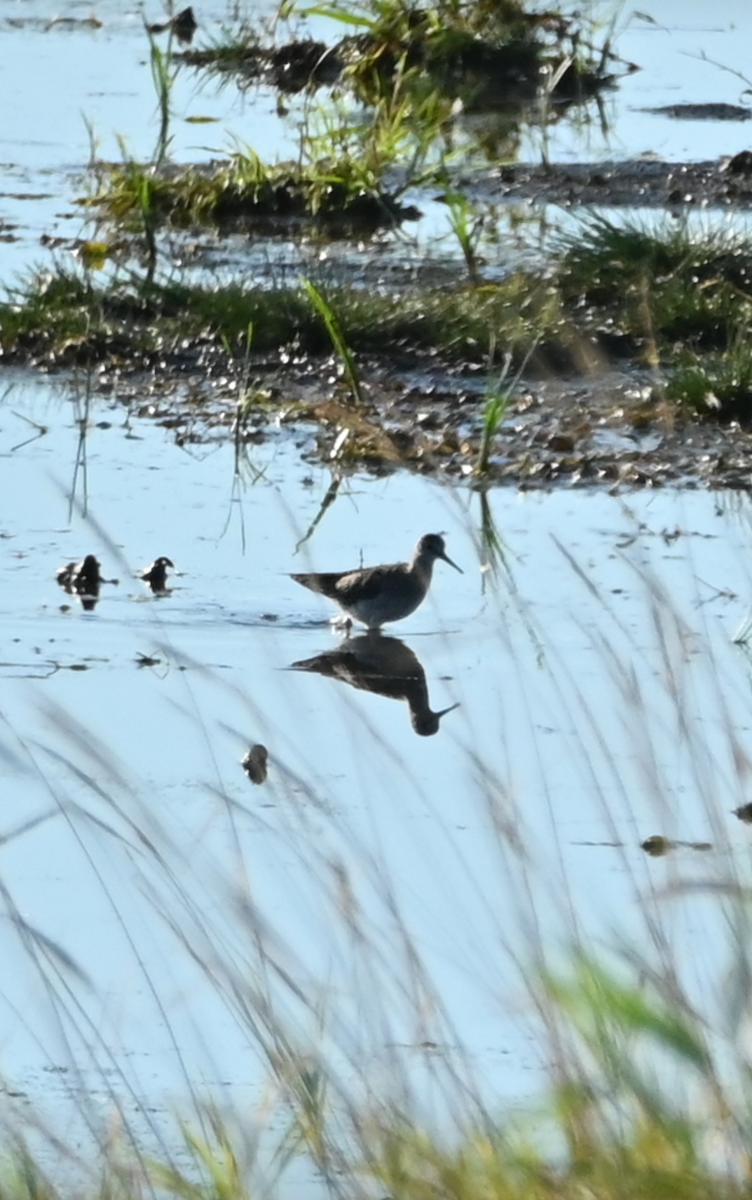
(612, 430)
(638, 183)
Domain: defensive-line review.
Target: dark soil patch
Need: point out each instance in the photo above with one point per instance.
(635, 183)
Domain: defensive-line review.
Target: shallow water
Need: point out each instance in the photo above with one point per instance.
(150, 888)
(84, 71)
(601, 701)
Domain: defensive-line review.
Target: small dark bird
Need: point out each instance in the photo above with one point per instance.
(83, 578)
(156, 574)
(377, 595)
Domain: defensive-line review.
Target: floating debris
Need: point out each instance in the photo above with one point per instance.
(183, 25)
(147, 660)
(657, 845)
(255, 763)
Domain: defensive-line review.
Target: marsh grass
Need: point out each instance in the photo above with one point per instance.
(487, 54)
(467, 226)
(697, 283)
(715, 386)
(334, 329)
(245, 190)
(164, 76)
(676, 301)
(499, 392)
(67, 316)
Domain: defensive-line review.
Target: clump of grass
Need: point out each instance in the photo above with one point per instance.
(715, 386)
(660, 283)
(245, 190)
(63, 314)
(487, 53)
(467, 227)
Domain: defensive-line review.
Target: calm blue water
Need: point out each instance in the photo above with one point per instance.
(601, 701)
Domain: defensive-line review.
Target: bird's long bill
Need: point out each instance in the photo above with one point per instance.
(446, 558)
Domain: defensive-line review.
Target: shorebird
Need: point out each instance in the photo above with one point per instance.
(376, 595)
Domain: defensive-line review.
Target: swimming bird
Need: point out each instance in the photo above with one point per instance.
(156, 574)
(375, 596)
(83, 578)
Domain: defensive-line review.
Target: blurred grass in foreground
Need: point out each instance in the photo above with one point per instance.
(646, 1097)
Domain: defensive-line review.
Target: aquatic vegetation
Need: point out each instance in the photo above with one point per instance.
(164, 75)
(495, 408)
(715, 386)
(490, 54)
(467, 227)
(244, 192)
(663, 282)
(334, 329)
(66, 316)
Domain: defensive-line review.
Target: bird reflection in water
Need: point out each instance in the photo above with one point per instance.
(83, 579)
(386, 667)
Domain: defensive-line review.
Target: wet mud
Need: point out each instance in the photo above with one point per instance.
(637, 183)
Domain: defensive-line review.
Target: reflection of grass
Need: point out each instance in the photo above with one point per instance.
(638, 1072)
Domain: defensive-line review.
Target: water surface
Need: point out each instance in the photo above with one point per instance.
(601, 701)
